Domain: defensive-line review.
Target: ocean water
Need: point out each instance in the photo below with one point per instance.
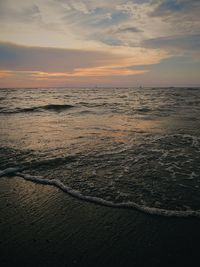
(122, 147)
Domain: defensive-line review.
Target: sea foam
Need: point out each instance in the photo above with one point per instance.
(97, 200)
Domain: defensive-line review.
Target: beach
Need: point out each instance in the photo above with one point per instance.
(42, 226)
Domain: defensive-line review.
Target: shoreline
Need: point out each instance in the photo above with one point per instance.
(99, 201)
(41, 226)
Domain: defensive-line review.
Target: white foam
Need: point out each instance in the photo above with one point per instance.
(97, 200)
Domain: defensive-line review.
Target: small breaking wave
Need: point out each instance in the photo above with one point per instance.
(49, 107)
(77, 194)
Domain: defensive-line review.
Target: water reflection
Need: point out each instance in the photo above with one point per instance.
(54, 130)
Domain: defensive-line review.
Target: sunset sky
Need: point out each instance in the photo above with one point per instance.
(99, 43)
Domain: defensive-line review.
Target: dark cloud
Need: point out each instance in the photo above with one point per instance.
(111, 41)
(168, 7)
(127, 29)
(24, 58)
(111, 37)
(175, 43)
(108, 39)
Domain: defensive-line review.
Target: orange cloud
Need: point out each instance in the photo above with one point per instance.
(89, 72)
(5, 74)
(78, 77)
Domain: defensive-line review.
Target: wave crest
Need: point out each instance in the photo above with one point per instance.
(49, 107)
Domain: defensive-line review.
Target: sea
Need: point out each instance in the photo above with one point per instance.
(132, 148)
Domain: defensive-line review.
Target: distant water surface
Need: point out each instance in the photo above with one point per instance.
(119, 146)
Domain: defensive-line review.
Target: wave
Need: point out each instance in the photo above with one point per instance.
(49, 107)
(97, 200)
(193, 88)
(57, 107)
(144, 109)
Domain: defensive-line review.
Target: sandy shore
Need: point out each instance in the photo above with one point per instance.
(42, 226)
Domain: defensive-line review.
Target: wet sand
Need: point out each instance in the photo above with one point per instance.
(42, 226)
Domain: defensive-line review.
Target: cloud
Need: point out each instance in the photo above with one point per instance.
(78, 6)
(17, 57)
(47, 59)
(126, 29)
(26, 65)
(92, 23)
(180, 43)
(89, 72)
(25, 14)
(71, 38)
(181, 15)
(168, 7)
(107, 39)
(79, 72)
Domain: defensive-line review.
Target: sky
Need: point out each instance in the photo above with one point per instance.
(53, 43)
